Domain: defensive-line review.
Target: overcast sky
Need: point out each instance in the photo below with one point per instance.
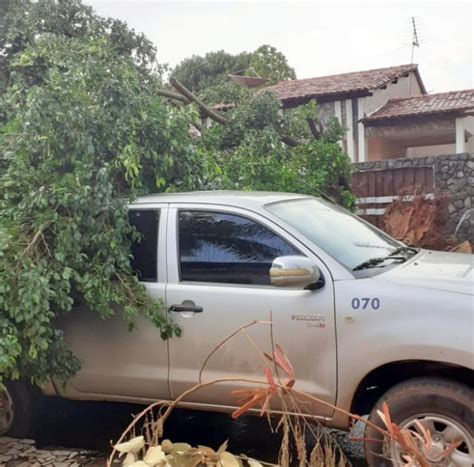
(318, 38)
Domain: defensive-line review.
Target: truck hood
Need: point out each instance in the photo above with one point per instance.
(453, 272)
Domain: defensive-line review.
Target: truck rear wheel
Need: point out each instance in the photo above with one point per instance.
(18, 410)
(443, 407)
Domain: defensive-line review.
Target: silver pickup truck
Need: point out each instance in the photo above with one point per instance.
(366, 319)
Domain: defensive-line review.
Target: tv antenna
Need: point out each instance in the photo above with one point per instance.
(414, 43)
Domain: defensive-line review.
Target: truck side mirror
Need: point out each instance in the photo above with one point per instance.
(295, 272)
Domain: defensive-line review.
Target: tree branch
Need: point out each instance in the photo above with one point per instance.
(173, 95)
(187, 96)
(316, 130)
(203, 107)
(289, 140)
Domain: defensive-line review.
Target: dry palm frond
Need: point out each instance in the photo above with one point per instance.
(416, 446)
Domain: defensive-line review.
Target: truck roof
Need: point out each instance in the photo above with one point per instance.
(227, 198)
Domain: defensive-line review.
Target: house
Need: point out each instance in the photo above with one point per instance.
(430, 124)
(387, 112)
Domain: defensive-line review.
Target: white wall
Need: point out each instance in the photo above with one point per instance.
(435, 150)
(350, 131)
(367, 105)
(325, 112)
(404, 87)
(469, 126)
(392, 91)
(464, 134)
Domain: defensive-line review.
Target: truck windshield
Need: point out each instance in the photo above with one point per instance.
(338, 232)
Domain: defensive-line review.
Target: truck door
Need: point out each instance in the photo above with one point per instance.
(218, 280)
(115, 361)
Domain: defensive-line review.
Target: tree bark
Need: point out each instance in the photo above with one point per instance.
(187, 96)
(204, 108)
(316, 132)
(289, 140)
(173, 95)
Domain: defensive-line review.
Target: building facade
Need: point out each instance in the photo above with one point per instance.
(387, 112)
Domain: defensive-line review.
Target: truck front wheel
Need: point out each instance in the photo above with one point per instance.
(443, 407)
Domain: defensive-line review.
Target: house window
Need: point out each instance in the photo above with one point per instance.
(144, 252)
(226, 248)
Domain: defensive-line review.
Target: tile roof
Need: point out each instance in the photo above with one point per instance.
(454, 102)
(334, 87)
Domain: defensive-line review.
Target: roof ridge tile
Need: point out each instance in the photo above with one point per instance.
(349, 83)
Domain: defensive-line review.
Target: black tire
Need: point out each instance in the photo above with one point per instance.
(447, 399)
(24, 399)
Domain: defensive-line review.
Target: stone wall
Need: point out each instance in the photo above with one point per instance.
(452, 174)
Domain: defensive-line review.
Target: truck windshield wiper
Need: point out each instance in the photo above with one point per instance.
(374, 261)
(394, 255)
(404, 249)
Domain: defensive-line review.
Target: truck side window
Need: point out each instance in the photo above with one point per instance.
(144, 252)
(226, 248)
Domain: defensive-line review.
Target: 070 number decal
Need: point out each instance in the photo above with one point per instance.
(364, 303)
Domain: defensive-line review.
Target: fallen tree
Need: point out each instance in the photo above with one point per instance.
(74, 150)
(85, 127)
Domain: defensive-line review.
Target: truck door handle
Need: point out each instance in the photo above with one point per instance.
(186, 308)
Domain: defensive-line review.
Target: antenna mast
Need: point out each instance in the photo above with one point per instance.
(414, 43)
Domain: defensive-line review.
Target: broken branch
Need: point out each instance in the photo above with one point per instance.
(187, 96)
(173, 95)
(316, 130)
(289, 140)
(203, 107)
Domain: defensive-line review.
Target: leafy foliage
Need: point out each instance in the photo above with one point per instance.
(198, 73)
(73, 149)
(208, 75)
(269, 63)
(82, 132)
(251, 155)
(22, 22)
(224, 92)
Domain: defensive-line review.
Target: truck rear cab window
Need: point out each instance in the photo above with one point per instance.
(226, 248)
(144, 252)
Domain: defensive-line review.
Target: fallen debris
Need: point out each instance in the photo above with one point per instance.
(464, 247)
(419, 221)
